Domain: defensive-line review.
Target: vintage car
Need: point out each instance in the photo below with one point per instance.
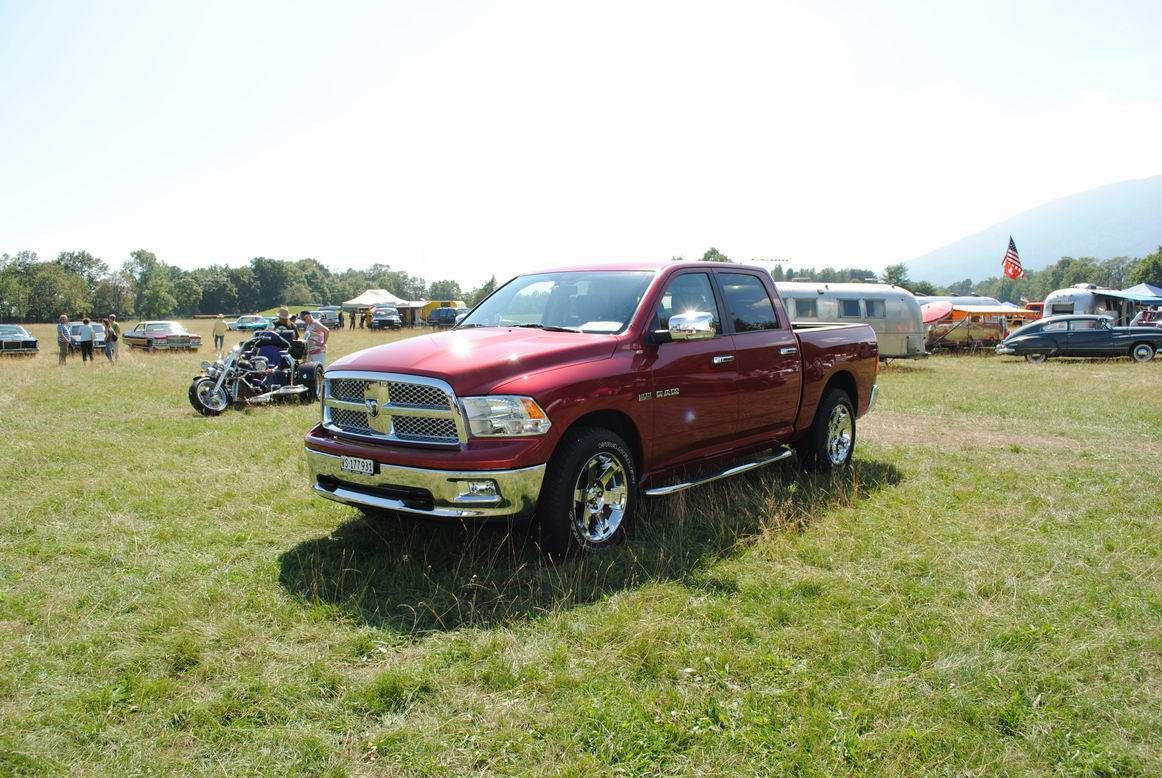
(157, 335)
(14, 339)
(75, 336)
(1081, 336)
(247, 323)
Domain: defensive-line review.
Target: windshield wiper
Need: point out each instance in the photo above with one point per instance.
(549, 327)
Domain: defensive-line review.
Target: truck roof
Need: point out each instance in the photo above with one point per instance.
(654, 265)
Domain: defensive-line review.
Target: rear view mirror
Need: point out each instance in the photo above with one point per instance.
(692, 325)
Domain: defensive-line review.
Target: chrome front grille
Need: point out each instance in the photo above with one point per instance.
(347, 389)
(392, 408)
(417, 394)
(351, 421)
(414, 428)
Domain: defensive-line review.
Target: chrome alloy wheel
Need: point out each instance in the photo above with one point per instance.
(213, 399)
(840, 431)
(600, 497)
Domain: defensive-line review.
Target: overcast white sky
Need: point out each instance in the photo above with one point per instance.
(458, 140)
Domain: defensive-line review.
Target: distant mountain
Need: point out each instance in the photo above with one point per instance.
(1118, 220)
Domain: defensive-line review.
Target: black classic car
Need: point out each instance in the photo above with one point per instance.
(1081, 336)
(14, 339)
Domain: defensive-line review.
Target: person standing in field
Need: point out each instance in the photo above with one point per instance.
(112, 338)
(108, 339)
(62, 339)
(315, 335)
(85, 336)
(219, 335)
(340, 318)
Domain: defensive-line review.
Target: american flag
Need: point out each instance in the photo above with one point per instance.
(1011, 264)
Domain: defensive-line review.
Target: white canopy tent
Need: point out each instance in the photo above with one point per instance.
(408, 309)
(372, 298)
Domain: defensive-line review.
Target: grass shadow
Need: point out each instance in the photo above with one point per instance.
(414, 577)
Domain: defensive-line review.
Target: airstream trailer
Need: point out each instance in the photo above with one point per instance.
(891, 311)
(1090, 299)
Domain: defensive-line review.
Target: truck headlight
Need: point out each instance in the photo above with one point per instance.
(504, 416)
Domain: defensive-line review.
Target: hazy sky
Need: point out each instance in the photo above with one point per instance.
(457, 140)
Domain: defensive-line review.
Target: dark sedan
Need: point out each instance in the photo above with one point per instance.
(1081, 336)
(14, 339)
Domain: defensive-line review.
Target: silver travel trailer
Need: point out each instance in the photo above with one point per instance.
(891, 311)
(1090, 299)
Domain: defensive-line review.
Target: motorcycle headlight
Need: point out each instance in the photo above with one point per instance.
(207, 365)
(504, 416)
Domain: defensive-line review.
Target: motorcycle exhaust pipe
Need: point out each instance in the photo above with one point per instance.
(282, 391)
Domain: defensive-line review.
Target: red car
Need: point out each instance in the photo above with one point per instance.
(569, 394)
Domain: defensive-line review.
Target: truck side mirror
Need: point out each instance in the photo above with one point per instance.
(692, 325)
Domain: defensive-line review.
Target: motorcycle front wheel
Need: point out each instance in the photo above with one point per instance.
(207, 400)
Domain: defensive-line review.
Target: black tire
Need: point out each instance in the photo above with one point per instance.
(1036, 358)
(830, 442)
(314, 391)
(199, 393)
(1142, 352)
(587, 459)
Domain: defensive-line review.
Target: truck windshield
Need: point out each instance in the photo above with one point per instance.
(581, 301)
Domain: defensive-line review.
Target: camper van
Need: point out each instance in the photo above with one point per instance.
(1090, 299)
(891, 311)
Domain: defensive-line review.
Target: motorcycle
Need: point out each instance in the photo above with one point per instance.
(270, 366)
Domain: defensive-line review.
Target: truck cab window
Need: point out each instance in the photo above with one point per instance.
(748, 302)
(688, 293)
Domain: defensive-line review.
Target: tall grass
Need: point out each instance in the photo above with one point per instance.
(979, 594)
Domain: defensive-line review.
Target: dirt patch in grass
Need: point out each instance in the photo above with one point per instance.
(910, 429)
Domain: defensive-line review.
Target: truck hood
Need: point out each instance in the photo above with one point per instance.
(474, 361)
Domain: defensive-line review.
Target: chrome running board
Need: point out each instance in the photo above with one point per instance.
(779, 455)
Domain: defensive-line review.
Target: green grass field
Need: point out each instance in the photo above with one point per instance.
(979, 595)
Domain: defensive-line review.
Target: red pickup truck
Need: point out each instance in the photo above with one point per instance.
(568, 394)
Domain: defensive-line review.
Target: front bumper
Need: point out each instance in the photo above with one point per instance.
(1005, 350)
(442, 494)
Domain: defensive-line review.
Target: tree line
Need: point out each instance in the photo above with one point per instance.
(79, 284)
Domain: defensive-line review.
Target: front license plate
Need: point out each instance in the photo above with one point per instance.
(357, 465)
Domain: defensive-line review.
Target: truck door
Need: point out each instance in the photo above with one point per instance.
(767, 357)
(694, 396)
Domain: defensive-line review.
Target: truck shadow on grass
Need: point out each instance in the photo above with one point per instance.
(413, 576)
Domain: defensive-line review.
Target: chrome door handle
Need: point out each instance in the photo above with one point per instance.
(723, 359)
(786, 350)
